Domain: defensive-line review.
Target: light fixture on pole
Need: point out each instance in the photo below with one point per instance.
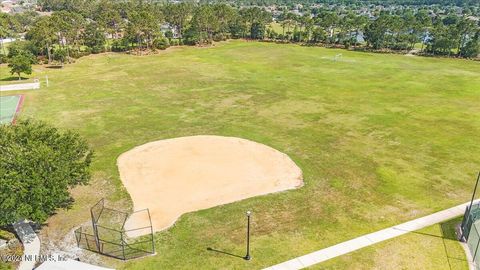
(247, 256)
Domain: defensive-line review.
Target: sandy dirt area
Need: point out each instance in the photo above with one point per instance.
(175, 176)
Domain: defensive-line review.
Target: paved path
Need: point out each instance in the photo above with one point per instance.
(369, 239)
(31, 244)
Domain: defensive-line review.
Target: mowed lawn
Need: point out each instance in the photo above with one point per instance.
(434, 248)
(381, 139)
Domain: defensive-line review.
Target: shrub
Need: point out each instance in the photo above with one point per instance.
(219, 37)
(6, 235)
(97, 49)
(161, 43)
(120, 45)
(3, 59)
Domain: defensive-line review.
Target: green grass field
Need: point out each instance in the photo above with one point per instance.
(433, 248)
(381, 139)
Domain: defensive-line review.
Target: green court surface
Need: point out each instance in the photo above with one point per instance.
(9, 107)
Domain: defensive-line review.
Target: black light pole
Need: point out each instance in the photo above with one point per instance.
(247, 257)
(474, 191)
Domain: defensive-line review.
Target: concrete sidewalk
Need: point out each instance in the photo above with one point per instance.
(31, 244)
(370, 239)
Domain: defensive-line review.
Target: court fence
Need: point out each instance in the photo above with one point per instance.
(471, 232)
(109, 236)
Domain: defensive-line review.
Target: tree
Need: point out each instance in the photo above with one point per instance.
(443, 38)
(108, 17)
(224, 15)
(143, 25)
(94, 38)
(306, 26)
(422, 23)
(238, 27)
(68, 26)
(376, 31)
(359, 24)
(472, 47)
(256, 19)
(178, 15)
(465, 28)
(203, 24)
(43, 35)
(329, 21)
(38, 166)
(319, 35)
(23, 46)
(21, 63)
(9, 26)
(346, 24)
(287, 20)
(60, 55)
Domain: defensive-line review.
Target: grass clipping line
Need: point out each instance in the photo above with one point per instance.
(176, 176)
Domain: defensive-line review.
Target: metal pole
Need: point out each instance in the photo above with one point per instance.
(151, 231)
(471, 202)
(95, 231)
(248, 257)
(123, 246)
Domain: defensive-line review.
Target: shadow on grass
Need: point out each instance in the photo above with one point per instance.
(7, 79)
(54, 66)
(448, 232)
(447, 228)
(224, 252)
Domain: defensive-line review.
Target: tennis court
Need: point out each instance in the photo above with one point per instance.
(9, 108)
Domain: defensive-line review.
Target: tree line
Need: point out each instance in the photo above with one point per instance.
(106, 25)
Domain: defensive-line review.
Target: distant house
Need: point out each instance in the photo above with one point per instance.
(167, 27)
(6, 40)
(6, 6)
(12, 6)
(473, 18)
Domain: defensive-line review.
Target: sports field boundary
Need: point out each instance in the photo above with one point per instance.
(10, 107)
(370, 239)
(19, 107)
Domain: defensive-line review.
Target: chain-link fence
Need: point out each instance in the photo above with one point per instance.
(473, 243)
(109, 236)
(470, 216)
(471, 232)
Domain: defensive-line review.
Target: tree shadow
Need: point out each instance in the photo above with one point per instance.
(224, 252)
(54, 66)
(12, 78)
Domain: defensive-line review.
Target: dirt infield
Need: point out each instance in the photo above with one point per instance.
(175, 176)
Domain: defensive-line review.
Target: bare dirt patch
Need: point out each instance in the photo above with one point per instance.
(175, 176)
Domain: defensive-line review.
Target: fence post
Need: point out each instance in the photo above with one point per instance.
(123, 245)
(94, 225)
(151, 231)
(78, 237)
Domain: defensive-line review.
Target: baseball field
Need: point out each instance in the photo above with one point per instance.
(380, 139)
